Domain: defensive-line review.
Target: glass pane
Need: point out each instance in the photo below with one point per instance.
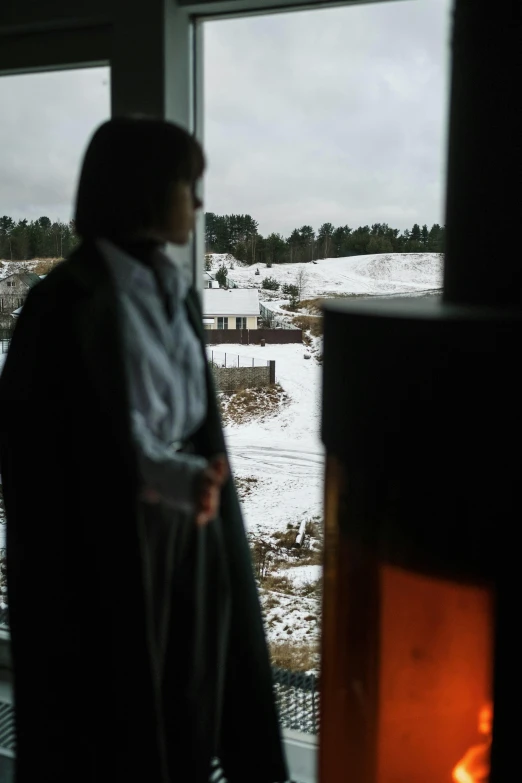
(43, 135)
(325, 133)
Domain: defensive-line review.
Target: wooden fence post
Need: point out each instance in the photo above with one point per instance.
(271, 364)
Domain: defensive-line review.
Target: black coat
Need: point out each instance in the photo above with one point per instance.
(85, 699)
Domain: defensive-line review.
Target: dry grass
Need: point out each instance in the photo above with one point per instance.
(285, 538)
(298, 657)
(310, 323)
(245, 486)
(309, 588)
(277, 583)
(45, 265)
(312, 306)
(246, 404)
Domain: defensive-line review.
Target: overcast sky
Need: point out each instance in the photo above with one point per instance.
(331, 115)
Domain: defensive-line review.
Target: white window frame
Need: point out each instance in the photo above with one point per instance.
(243, 320)
(224, 322)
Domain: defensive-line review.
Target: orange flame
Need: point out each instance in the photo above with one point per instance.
(474, 765)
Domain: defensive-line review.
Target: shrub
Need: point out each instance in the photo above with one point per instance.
(221, 276)
(270, 284)
(292, 291)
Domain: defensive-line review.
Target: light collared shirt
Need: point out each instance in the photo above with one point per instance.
(165, 373)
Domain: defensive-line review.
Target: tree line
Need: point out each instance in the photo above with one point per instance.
(239, 236)
(23, 239)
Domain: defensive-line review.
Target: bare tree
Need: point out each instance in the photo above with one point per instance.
(301, 281)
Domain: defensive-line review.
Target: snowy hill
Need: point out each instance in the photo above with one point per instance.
(385, 274)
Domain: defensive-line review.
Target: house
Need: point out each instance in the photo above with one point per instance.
(14, 290)
(208, 281)
(236, 308)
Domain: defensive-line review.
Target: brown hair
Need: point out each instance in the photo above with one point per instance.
(127, 175)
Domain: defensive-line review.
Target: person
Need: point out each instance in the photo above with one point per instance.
(137, 641)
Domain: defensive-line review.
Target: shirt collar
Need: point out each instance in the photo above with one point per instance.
(132, 275)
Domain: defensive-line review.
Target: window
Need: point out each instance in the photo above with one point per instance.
(223, 323)
(346, 159)
(39, 164)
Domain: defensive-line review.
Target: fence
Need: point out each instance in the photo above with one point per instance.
(232, 371)
(272, 318)
(5, 337)
(297, 697)
(253, 336)
(296, 694)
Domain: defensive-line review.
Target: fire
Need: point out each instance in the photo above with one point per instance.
(474, 765)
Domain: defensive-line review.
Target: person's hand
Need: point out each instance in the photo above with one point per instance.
(149, 495)
(209, 490)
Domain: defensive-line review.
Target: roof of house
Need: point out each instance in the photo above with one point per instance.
(235, 301)
(30, 278)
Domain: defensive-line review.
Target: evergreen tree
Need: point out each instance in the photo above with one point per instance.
(436, 238)
(378, 244)
(276, 249)
(20, 239)
(294, 244)
(7, 226)
(340, 240)
(221, 276)
(324, 238)
(415, 234)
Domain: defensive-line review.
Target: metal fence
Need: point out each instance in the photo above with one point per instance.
(229, 359)
(297, 697)
(296, 694)
(273, 319)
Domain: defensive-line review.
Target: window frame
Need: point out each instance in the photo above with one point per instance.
(224, 321)
(163, 77)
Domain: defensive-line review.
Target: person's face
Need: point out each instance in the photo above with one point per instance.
(181, 215)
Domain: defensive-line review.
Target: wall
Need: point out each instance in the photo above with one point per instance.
(251, 321)
(254, 336)
(12, 296)
(234, 378)
(7, 325)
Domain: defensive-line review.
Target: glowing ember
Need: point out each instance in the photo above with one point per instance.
(474, 765)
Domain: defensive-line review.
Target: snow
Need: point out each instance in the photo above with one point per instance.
(383, 274)
(12, 267)
(284, 452)
(302, 575)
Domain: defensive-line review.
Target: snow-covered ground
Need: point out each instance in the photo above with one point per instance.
(384, 274)
(283, 452)
(11, 267)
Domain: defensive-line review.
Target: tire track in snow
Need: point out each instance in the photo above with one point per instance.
(293, 462)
